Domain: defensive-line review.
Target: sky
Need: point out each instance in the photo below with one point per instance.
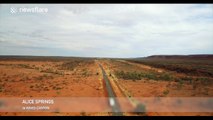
(107, 30)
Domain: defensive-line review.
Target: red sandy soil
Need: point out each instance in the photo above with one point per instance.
(153, 88)
(24, 82)
(19, 81)
(86, 81)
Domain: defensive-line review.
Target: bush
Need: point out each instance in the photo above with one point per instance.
(128, 75)
(150, 76)
(85, 73)
(166, 76)
(180, 84)
(204, 80)
(166, 92)
(186, 78)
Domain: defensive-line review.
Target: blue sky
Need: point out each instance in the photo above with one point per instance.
(113, 30)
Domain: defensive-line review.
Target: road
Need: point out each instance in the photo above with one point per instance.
(112, 98)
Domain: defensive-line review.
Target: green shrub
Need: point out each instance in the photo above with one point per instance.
(204, 80)
(180, 84)
(165, 76)
(140, 75)
(166, 92)
(151, 76)
(186, 78)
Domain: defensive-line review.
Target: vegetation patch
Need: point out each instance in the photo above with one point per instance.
(71, 65)
(165, 92)
(186, 66)
(143, 75)
(44, 77)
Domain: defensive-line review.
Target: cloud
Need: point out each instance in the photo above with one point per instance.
(113, 30)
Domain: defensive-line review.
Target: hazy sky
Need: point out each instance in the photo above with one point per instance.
(110, 30)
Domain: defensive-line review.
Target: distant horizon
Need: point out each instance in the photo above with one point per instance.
(110, 57)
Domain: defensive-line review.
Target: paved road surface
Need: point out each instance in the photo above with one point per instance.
(112, 101)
